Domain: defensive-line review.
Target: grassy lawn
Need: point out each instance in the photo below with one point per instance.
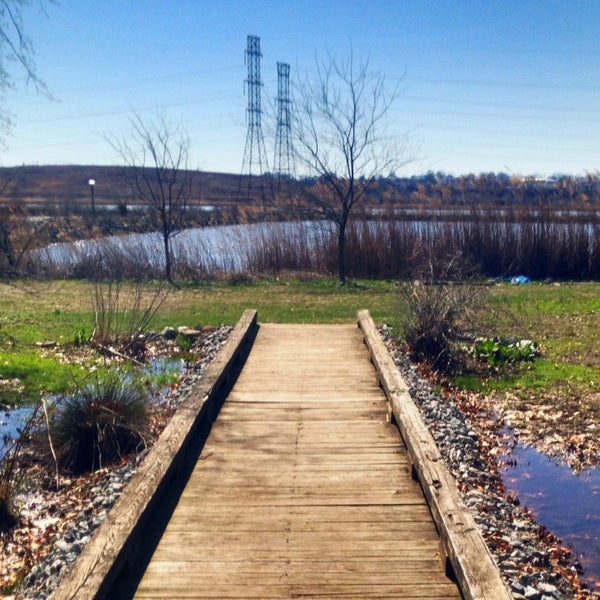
(563, 319)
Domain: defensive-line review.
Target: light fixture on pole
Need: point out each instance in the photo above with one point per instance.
(92, 183)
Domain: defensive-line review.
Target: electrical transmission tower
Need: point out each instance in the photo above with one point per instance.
(254, 164)
(284, 167)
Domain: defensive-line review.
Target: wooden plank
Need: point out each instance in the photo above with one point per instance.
(303, 487)
(478, 575)
(105, 555)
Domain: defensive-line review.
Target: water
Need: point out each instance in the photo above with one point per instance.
(13, 420)
(11, 423)
(566, 503)
(237, 248)
(226, 248)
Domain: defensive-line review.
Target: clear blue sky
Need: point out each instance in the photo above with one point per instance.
(485, 85)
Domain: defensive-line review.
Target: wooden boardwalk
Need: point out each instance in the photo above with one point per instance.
(303, 488)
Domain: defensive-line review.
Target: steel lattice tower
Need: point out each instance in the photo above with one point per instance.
(284, 167)
(255, 163)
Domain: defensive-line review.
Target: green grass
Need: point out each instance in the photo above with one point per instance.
(37, 374)
(535, 377)
(563, 319)
(278, 301)
(61, 312)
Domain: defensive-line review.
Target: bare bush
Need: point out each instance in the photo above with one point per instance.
(435, 310)
(19, 233)
(122, 315)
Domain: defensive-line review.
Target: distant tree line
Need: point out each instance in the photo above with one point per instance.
(498, 189)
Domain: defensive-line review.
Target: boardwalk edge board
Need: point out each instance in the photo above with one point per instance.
(469, 558)
(115, 542)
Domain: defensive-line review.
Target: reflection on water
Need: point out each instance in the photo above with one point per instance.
(566, 503)
(11, 423)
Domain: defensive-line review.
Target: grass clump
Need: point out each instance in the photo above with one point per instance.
(99, 425)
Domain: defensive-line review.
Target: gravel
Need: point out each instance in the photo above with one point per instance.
(528, 556)
(532, 561)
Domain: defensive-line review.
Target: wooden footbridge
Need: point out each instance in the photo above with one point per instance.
(310, 474)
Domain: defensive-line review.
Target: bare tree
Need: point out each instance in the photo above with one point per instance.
(341, 139)
(16, 48)
(157, 156)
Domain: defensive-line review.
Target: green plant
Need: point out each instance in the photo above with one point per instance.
(80, 338)
(502, 351)
(100, 424)
(185, 343)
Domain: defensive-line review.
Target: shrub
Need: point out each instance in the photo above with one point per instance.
(123, 313)
(99, 425)
(434, 310)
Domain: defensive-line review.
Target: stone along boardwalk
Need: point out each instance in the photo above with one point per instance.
(303, 487)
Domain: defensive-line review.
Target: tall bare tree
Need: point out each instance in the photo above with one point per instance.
(341, 139)
(157, 156)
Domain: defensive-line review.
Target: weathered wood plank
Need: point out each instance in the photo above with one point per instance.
(283, 590)
(303, 488)
(472, 562)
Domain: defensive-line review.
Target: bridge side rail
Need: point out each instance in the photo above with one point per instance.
(470, 559)
(116, 542)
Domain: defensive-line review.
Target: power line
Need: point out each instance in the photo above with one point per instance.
(509, 84)
(254, 163)
(284, 166)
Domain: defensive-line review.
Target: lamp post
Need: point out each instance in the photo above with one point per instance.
(92, 183)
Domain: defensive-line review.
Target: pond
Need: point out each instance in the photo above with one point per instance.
(565, 502)
(11, 422)
(226, 248)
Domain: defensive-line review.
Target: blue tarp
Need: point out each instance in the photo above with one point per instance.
(518, 279)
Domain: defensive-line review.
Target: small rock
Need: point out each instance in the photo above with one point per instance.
(169, 333)
(188, 332)
(532, 594)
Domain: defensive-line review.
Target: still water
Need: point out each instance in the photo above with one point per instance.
(566, 503)
(227, 248)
